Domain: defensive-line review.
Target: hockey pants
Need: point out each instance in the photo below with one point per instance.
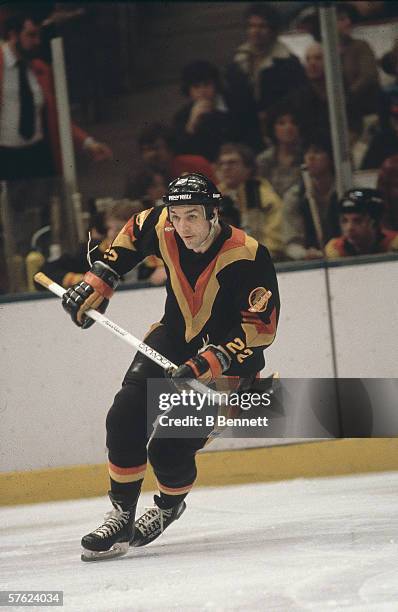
(173, 459)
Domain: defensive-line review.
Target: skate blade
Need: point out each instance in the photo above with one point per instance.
(117, 550)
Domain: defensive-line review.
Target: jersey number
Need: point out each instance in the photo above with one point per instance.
(238, 345)
(111, 255)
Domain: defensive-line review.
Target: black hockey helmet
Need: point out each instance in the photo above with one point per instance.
(364, 201)
(193, 188)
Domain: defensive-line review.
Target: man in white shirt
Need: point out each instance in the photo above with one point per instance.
(29, 138)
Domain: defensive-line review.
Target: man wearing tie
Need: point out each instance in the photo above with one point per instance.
(29, 137)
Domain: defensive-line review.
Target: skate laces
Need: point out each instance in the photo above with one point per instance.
(153, 520)
(114, 520)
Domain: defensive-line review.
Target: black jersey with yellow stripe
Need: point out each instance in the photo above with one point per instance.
(227, 295)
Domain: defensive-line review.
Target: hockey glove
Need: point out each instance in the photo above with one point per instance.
(94, 291)
(206, 366)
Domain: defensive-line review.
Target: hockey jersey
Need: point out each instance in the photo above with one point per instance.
(340, 247)
(227, 295)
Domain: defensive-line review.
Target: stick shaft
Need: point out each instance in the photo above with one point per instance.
(313, 206)
(140, 346)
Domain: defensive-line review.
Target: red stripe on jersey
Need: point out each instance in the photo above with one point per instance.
(129, 229)
(194, 298)
(261, 327)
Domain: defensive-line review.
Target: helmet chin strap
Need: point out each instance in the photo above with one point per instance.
(212, 229)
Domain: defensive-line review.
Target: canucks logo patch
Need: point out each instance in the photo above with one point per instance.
(140, 218)
(258, 299)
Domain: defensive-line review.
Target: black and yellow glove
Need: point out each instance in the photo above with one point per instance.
(206, 366)
(94, 291)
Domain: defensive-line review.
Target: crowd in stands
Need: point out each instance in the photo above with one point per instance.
(249, 128)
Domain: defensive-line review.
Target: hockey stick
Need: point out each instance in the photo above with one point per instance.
(140, 346)
(316, 219)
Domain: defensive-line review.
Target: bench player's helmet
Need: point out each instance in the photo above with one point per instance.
(193, 188)
(363, 201)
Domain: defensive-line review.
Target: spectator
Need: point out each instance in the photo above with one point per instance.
(204, 123)
(157, 151)
(389, 61)
(299, 229)
(152, 268)
(259, 206)
(359, 64)
(104, 227)
(29, 139)
(229, 212)
(374, 10)
(387, 184)
(307, 20)
(117, 217)
(360, 214)
(19, 55)
(147, 187)
(262, 73)
(280, 163)
(310, 99)
(147, 190)
(361, 134)
(385, 142)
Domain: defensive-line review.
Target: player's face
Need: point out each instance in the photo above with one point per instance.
(358, 229)
(190, 224)
(286, 130)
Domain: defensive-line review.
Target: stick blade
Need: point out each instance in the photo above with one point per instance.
(43, 280)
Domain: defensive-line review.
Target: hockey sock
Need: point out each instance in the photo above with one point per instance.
(130, 491)
(126, 481)
(171, 496)
(169, 501)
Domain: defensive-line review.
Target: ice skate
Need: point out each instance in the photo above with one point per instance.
(154, 521)
(112, 538)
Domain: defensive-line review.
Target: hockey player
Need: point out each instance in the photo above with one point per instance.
(360, 215)
(221, 285)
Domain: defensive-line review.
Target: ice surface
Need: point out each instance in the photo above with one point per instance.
(324, 544)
